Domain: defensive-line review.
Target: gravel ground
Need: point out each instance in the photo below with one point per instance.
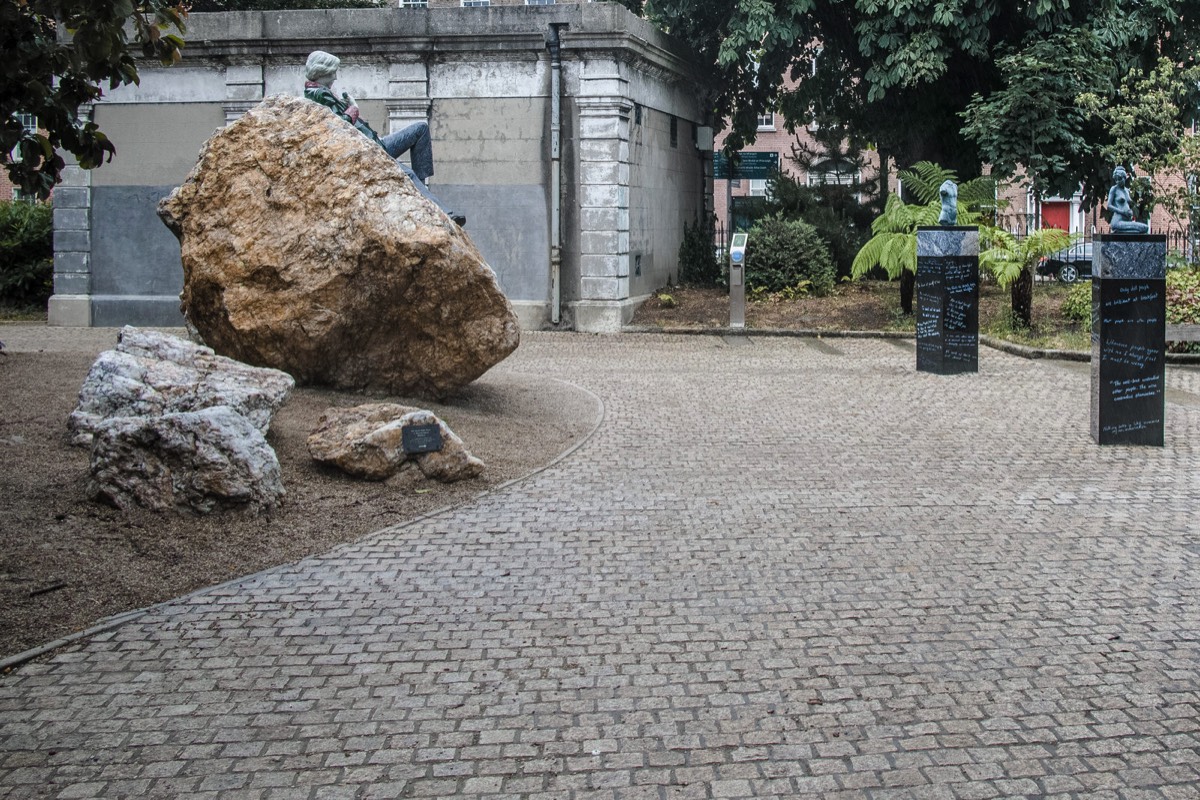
(67, 562)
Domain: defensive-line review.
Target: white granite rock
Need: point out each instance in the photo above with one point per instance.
(151, 373)
(194, 460)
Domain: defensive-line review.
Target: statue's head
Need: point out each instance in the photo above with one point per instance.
(321, 67)
(1119, 175)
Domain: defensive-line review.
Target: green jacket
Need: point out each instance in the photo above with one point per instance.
(320, 94)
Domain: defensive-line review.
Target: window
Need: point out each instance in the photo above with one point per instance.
(476, 3)
(674, 131)
(758, 187)
(814, 125)
(833, 173)
(766, 122)
(539, 2)
(414, 3)
(29, 124)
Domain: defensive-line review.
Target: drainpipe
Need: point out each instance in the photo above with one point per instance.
(553, 44)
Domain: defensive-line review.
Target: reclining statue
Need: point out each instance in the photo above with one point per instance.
(320, 71)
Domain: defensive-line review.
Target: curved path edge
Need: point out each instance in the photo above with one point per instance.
(7, 665)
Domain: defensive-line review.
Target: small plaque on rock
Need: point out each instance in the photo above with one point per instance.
(421, 438)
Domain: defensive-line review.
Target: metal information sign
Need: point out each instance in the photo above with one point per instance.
(737, 280)
(421, 438)
(755, 166)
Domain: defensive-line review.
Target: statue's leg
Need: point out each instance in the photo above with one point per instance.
(415, 141)
(457, 216)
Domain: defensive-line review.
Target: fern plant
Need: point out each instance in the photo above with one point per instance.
(1006, 257)
(893, 243)
(1012, 261)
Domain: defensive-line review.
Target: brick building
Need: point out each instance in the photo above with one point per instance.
(772, 137)
(1021, 210)
(7, 191)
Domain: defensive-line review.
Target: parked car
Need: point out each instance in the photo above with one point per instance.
(1069, 265)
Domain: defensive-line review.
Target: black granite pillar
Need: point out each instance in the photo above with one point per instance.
(948, 299)
(1129, 312)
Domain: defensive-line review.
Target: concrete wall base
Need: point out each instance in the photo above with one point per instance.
(534, 315)
(152, 311)
(70, 311)
(605, 316)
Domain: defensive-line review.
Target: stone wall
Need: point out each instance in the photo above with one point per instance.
(482, 79)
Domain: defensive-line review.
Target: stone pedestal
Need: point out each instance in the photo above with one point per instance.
(947, 299)
(1128, 338)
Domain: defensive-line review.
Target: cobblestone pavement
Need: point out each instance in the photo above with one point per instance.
(782, 567)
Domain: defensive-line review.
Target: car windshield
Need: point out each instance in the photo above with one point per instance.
(1080, 250)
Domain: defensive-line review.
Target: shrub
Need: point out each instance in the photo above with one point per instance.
(1183, 304)
(697, 256)
(26, 253)
(1183, 296)
(841, 220)
(1077, 305)
(781, 254)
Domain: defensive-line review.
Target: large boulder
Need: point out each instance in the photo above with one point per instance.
(307, 249)
(150, 373)
(196, 460)
(367, 441)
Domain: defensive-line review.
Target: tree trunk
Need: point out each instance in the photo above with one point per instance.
(885, 187)
(1022, 299)
(908, 282)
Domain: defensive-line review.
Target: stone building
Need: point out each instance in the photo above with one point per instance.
(631, 165)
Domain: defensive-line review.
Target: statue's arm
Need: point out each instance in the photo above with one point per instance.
(330, 101)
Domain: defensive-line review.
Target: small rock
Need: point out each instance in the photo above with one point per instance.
(367, 441)
(197, 460)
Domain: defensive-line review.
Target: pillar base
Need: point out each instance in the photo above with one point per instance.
(605, 316)
(70, 311)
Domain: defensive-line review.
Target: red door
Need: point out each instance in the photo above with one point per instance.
(1056, 215)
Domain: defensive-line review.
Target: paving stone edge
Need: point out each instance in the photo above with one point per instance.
(990, 341)
(9, 664)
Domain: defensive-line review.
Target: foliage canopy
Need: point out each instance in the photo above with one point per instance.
(59, 54)
(903, 73)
